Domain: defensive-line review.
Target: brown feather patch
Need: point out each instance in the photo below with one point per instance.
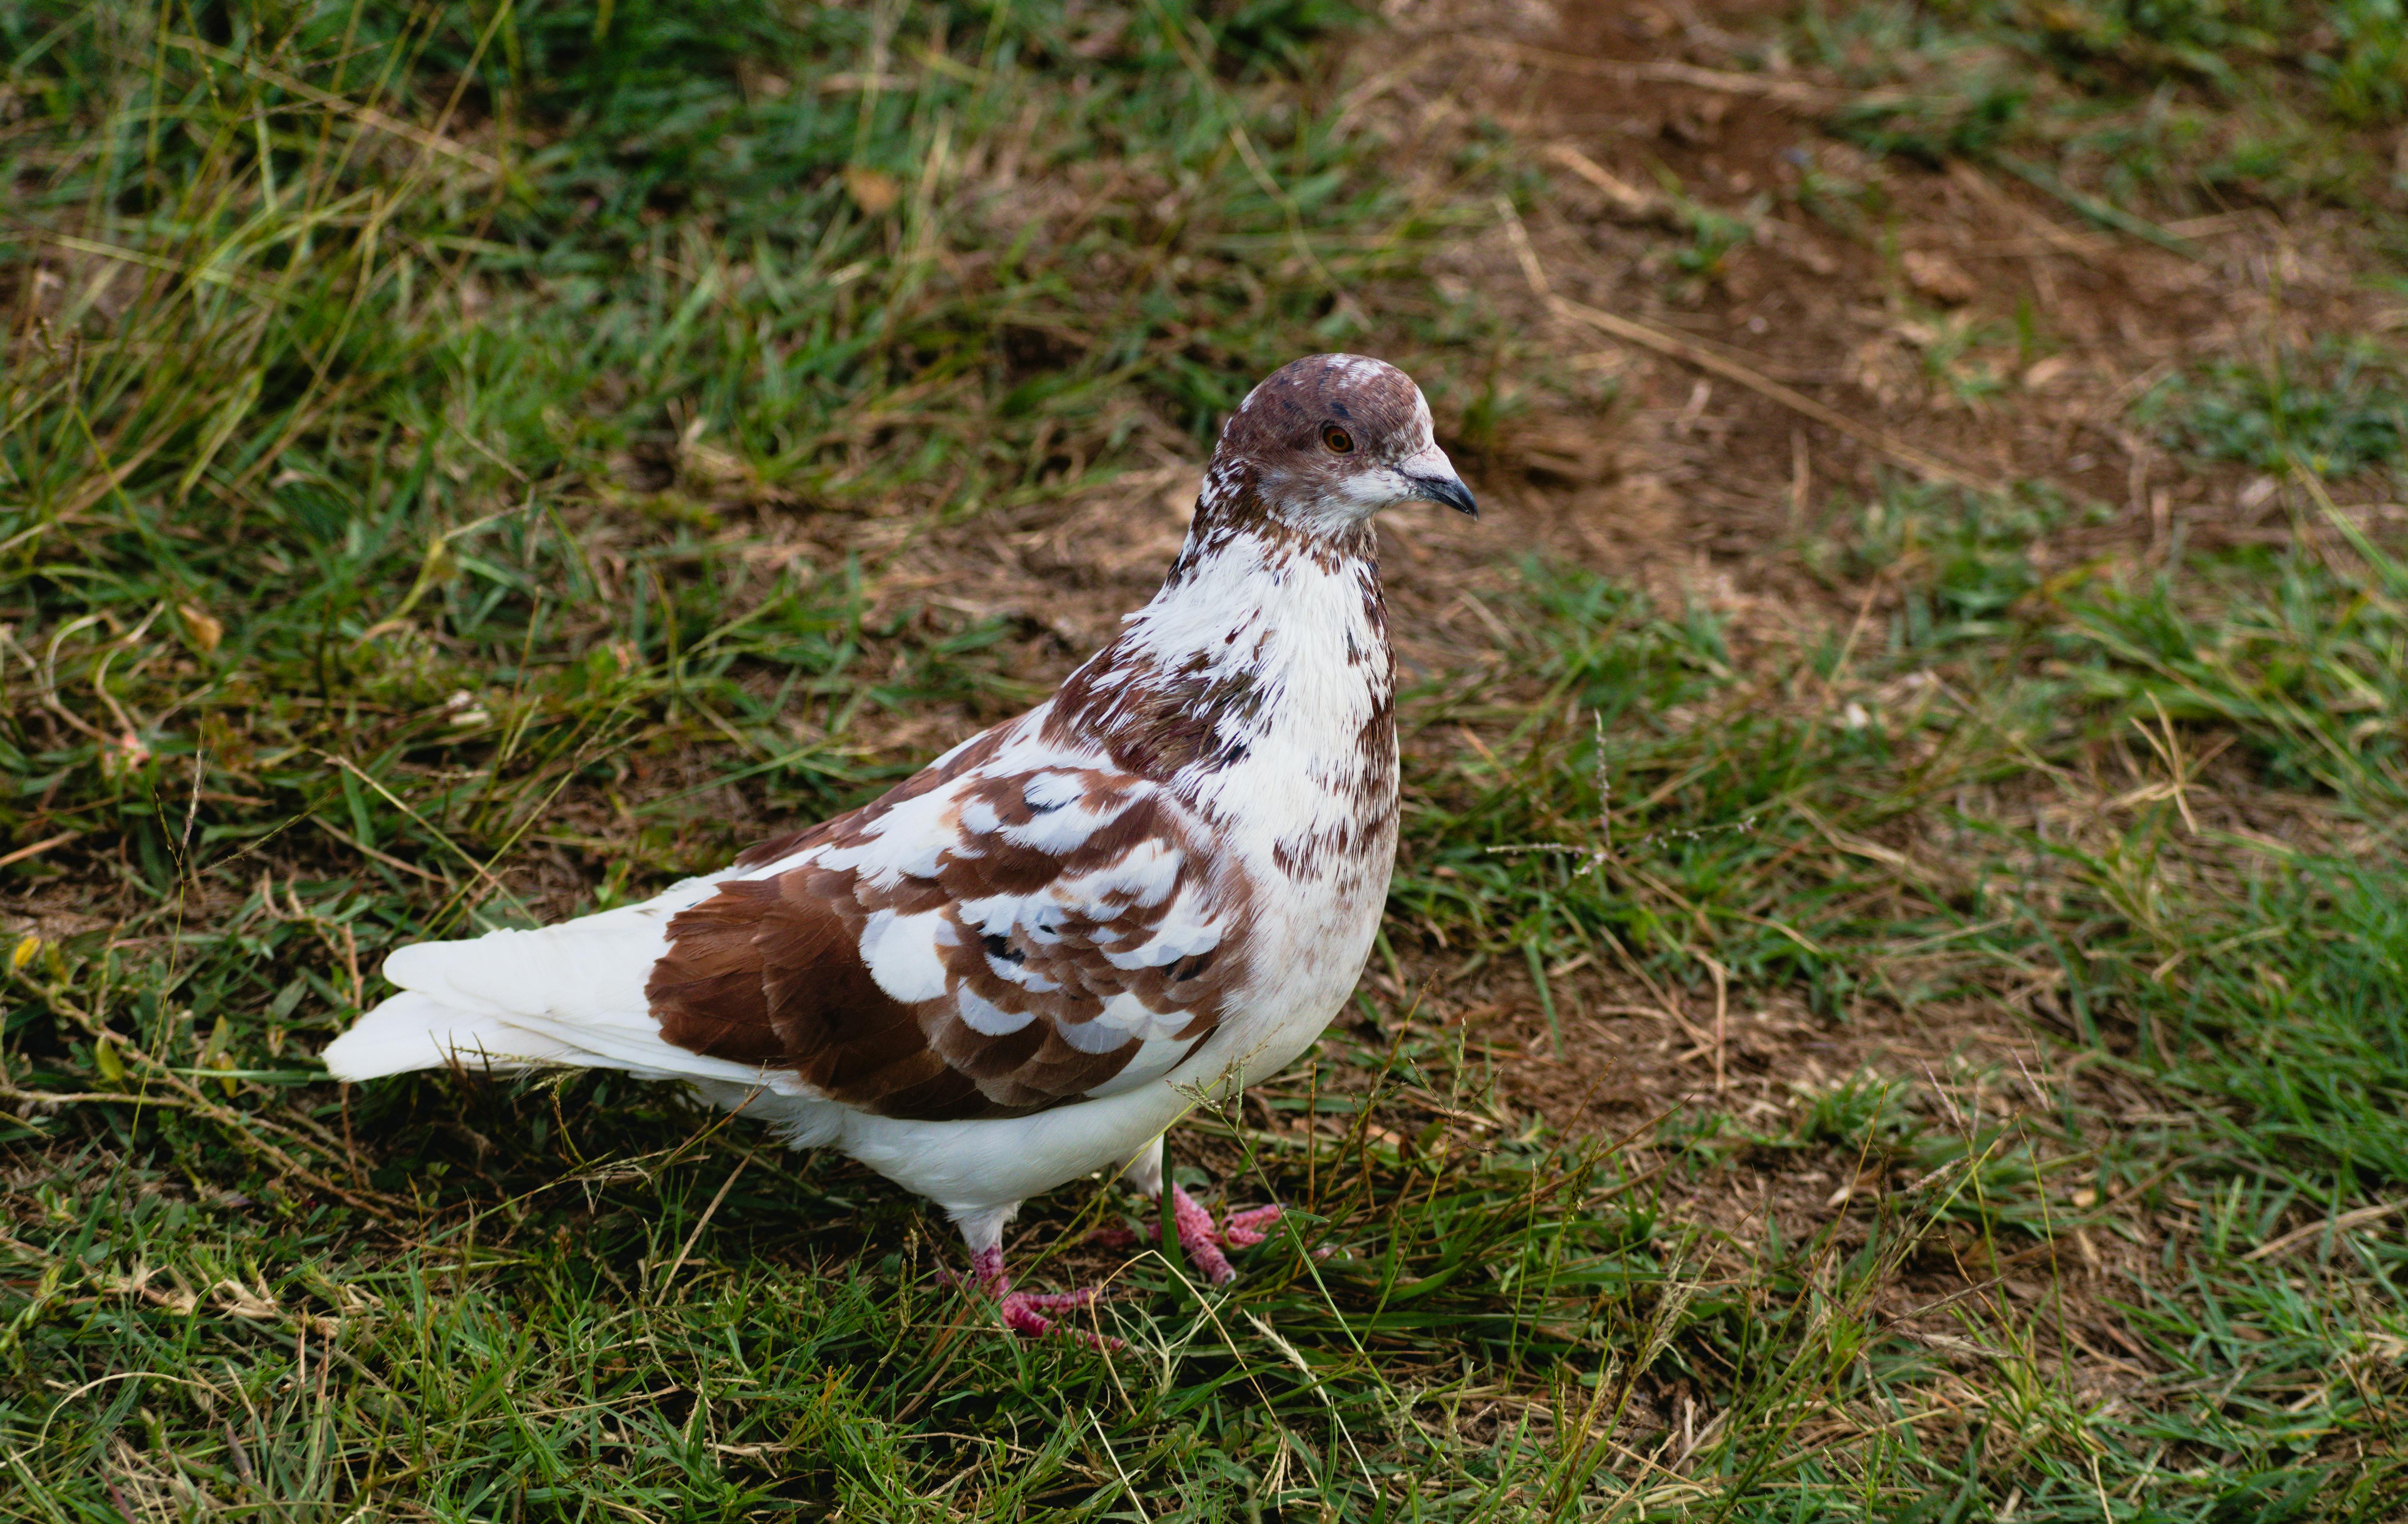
(769, 971)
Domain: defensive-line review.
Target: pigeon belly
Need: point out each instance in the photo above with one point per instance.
(1310, 813)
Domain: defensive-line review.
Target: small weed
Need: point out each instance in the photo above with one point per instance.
(1936, 129)
(1963, 561)
(1860, 1113)
(1712, 234)
(2333, 414)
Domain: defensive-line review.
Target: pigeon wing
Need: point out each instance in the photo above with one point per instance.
(995, 937)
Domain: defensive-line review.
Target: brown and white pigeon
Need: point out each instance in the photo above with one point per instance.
(1021, 965)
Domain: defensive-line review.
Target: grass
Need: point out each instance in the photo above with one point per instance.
(2323, 412)
(461, 466)
(2130, 113)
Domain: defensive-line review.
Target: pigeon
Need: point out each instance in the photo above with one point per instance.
(1026, 962)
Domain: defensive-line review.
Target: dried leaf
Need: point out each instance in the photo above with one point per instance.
(203, 630)
(232, 1296)
(874, 191)
(1938, 277)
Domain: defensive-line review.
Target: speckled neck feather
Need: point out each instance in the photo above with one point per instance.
(1256, 616)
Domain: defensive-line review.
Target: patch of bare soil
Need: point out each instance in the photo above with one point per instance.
(1978, 322)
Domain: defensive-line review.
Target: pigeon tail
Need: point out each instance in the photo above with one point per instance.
(570, 995)
(412, 1030)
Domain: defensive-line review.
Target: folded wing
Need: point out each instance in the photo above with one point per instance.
(992, 939)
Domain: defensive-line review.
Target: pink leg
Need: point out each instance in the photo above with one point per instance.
(1201, 1238)
(1241, 1229)
(1025, 1311)
(1198, 1236)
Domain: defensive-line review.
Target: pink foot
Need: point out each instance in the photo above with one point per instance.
(1242, 1229)
(1026, 1312)
(1198, 1236)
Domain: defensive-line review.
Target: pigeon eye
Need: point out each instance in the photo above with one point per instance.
(1337, 439)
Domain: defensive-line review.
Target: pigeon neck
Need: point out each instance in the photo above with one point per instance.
(1262, 638)
(1241, 502)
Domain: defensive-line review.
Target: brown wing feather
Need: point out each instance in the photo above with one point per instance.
(769, 971)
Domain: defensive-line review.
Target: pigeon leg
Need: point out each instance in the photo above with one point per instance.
(1201, 1238)
(1143, 1172)
(1029, 1313)
(1203, 1242)
(1198, 1235)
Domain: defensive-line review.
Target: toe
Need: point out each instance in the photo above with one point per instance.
(1024, 1319)
(1056, 1302)
(1241, 1229)
(1024, 1312)
(1201, 1238)
(1208, 1259)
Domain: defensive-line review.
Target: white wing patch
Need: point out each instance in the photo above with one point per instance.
(900, 952)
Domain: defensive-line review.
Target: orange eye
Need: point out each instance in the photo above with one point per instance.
(1337, 439)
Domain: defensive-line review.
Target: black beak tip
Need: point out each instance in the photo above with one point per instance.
(1453, 493)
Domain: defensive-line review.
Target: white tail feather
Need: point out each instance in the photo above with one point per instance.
(413, 1031)
(569, 994)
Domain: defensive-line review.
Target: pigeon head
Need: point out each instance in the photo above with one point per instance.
(1330, 439)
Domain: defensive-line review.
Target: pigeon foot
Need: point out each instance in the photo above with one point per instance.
(1202, 1239)
(1032, 1313)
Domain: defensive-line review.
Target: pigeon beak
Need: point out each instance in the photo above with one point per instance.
(1431, 477)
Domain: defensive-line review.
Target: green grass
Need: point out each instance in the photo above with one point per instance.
(2130, 113)
(452, 467)
(2335, 414)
